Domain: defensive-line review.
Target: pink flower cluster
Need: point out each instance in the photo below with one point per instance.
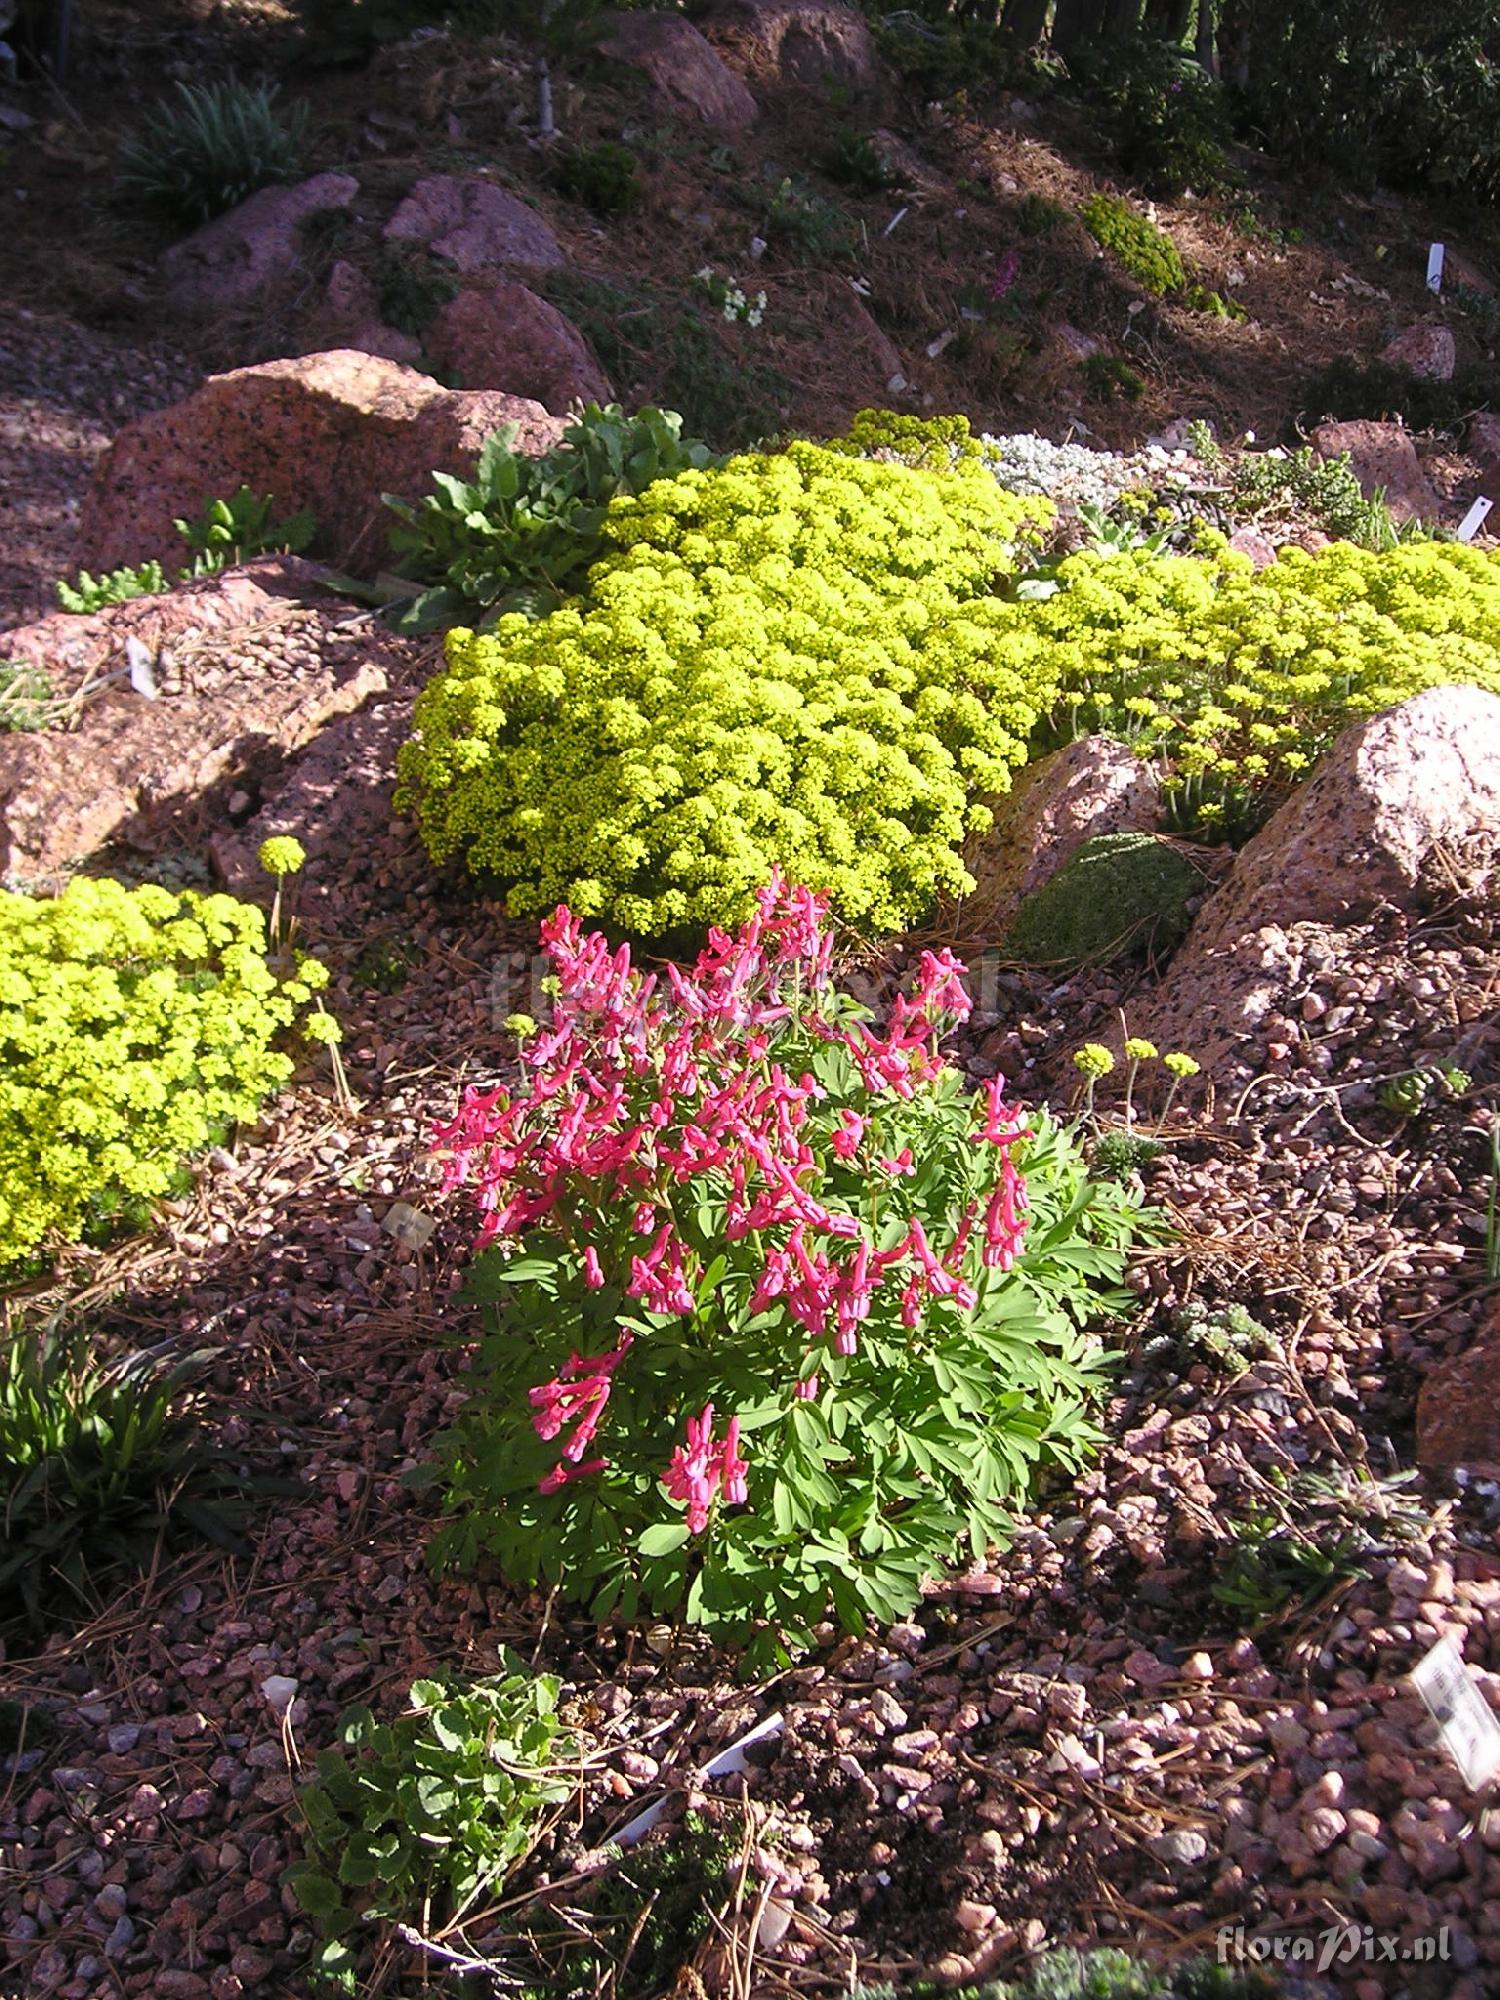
(647, 1094)
(702, 1469)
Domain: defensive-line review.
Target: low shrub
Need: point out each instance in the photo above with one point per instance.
(413, 287)
(1147, 253)
(210, 149)
(605, 178)
(1120, 894)
(1240, 679)
(805, 227)
(1166, 118)
(415, 1820)
(855, 161)
(522, 533)
(785, 1314)
(101, 1465)
(135, 1025)
(788, 661)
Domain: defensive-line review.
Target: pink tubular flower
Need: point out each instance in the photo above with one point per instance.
(845, 1141)
(593, 1274)
(576, 1396)
(564, 1474)
(702, 1469)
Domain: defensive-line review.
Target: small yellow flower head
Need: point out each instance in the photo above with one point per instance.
(1181, 1065)
(520, 1025)
(313, 973)
(1093, 1060)
(1138, 1049)
(282, 854)
(322, 1027)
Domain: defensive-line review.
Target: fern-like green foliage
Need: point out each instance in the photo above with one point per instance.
(1146, 252)
(787, 661)
(135, 1024)
(209, 148)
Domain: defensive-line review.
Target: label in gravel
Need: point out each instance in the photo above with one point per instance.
(1469, 1730)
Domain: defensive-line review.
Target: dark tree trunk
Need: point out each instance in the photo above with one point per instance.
(1121, 18)
(1026, 20)
(1078, 24)
(1167, 20)
(1206, 51)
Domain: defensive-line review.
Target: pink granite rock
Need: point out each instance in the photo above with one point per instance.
(237, 256)
(688, 71)
(502, 336)
(1383, 459)
(474, 225)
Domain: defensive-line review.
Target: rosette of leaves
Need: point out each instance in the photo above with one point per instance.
(522, 533)
(416, 1819)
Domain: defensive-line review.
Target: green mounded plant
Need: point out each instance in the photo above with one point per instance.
(1120, 894)
(1147, 253)
(1419, 1089)
(605, 177)
(210, 148)
(1227, 1337)
(643, 1916)
(523, 532)
(89, 594)
(135, 1025)
(785, 661)
(801, 224)
(413, 287)
(1107, 378)
(1038, 215)
(855, 161)
(880, 1283)
(664, 350)
(1103, 1973)
(102, 1465)
(415, 1820)
(236, 530)
(1310, 1531)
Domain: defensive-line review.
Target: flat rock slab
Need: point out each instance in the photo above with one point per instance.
(687, 71)
(328, 432)
(247, 671)
(474, 225)
(234, 258)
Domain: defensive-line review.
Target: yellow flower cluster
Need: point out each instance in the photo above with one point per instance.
(134, 1026)
(1244, 677)
(792, 661)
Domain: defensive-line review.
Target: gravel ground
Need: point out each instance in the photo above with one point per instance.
(1083, 1741)
(64, 393)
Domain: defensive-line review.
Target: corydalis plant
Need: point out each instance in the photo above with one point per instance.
(722, 1194)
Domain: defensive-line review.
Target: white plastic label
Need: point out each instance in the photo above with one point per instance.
(1435, 267)
(1469, 1730)
(1474, 520)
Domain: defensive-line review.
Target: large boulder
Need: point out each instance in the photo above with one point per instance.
(1405, 799)
(1458, 1414)
(1367, 825)
(1094, 786)
(233, 259)
(816, 43)
(1120, 895)
(231, 675)
(502, 336)
(687, 71)
(1384, 460)
(1428, 351)
(474, 225)
(328, 432)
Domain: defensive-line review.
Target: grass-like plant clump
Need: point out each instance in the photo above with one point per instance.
(209, 148)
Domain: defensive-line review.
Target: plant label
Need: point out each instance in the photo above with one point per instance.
(408, 1225)
(1474, 520)
(1435, 267)
(1470, 1733)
